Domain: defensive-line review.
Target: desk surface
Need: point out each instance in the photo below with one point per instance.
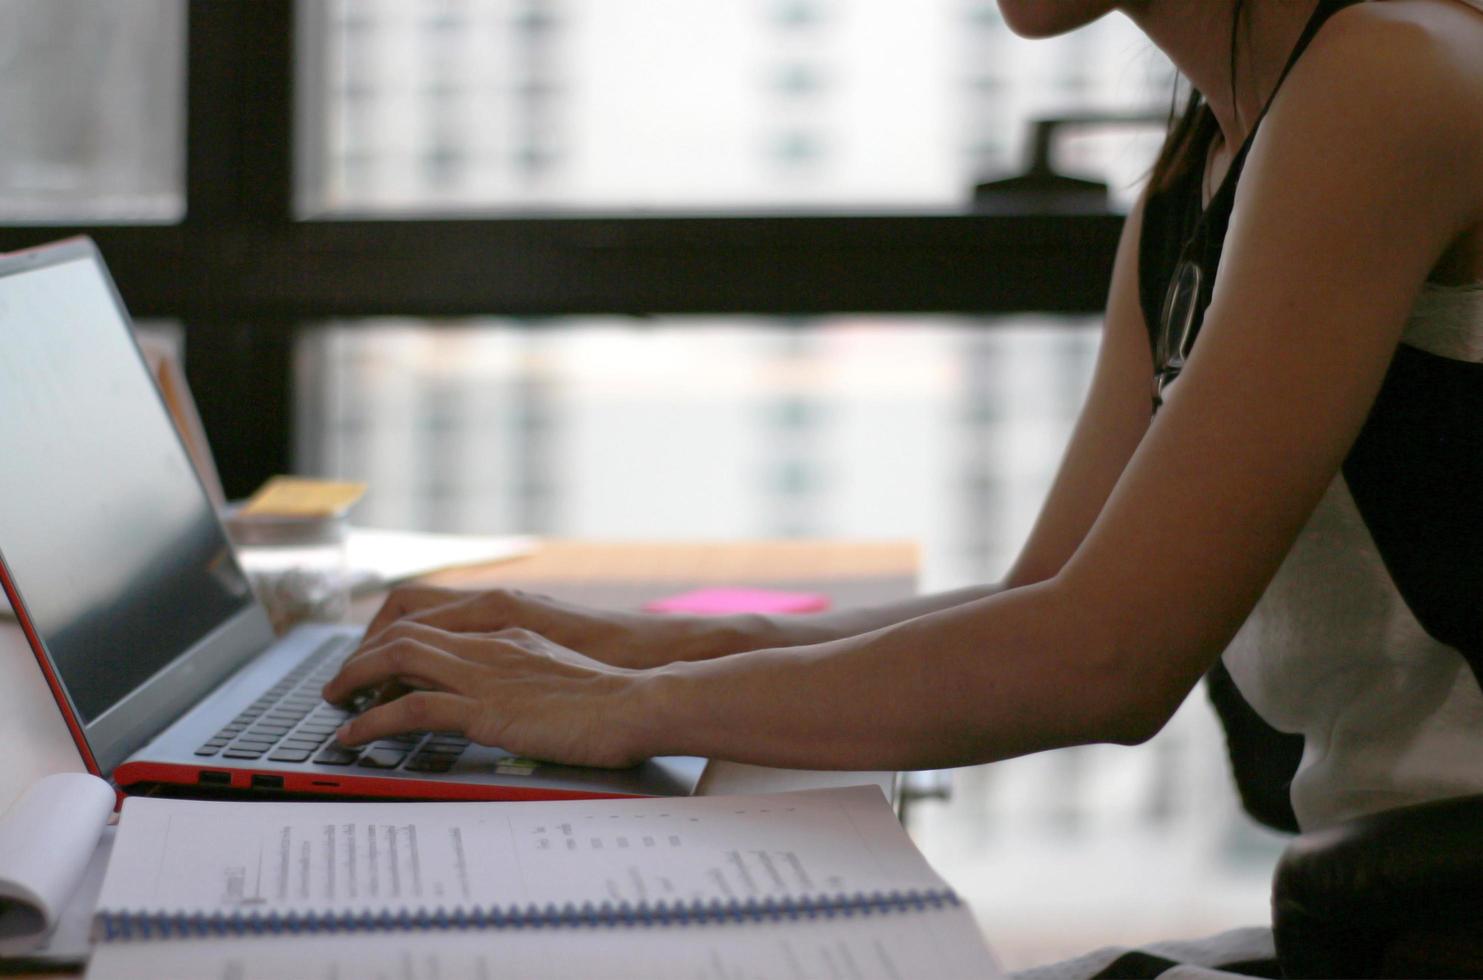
(615, 574)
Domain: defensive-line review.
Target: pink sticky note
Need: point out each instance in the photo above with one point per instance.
(723, 601)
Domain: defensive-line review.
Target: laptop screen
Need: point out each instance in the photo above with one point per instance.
(109, 537)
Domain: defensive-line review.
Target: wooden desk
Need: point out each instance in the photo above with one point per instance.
(614, 574)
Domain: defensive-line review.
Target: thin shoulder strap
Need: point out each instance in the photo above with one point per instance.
(1201, 231)
(1321, 14)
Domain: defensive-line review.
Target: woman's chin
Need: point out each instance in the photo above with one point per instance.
(1047, 18)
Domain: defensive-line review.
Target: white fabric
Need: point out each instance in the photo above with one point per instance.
(1389, 715)
(1448, 320)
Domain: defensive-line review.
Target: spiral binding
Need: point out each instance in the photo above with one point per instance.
(142, 924)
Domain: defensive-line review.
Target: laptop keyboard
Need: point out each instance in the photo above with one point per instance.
(292, 723)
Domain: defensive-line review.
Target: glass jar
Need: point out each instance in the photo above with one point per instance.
(297, 565)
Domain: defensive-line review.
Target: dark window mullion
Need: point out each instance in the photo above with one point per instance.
(239, 167)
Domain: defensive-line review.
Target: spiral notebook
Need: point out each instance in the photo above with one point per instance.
(813, 883)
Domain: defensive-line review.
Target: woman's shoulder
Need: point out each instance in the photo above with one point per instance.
(1408, 42)
(1402, 74)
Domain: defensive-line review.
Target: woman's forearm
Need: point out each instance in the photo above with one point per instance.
(999, 676)
(735, 634)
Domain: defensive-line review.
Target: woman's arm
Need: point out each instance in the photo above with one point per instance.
(436, 638)
(1112, 421)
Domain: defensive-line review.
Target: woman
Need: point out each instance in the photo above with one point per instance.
(1311, 468)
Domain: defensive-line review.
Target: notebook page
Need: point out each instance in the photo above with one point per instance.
(941, 944)
(179, 856)
(46, 842)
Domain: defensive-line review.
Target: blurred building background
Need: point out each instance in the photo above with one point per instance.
(941, 428)
(670, 104)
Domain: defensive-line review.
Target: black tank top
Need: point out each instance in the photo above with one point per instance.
(1415, 471)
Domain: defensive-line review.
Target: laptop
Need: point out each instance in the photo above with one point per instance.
(122, 578)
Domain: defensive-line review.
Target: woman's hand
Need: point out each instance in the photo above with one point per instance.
(513, 689)
(622, 639)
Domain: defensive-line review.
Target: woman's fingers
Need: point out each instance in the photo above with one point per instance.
(410, 607)
(477, 612)
(420, 711)
(409, 600)
(446, 609)
(511, 688)
(405, 657)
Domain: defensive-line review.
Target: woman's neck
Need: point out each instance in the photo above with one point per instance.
(1197, 38)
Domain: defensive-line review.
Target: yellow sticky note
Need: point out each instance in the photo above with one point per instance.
(293, 496)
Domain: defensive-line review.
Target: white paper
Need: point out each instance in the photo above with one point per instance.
(46, 841)
(378, 558)
(326, 858)
(70, 941)
(894, 946)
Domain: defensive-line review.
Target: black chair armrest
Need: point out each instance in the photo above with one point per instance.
(1398, 893)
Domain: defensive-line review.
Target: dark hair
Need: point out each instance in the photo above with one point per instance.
(1190, 130)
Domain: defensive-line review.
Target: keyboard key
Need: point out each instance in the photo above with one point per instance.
(318, 727)
(275, 712)
(337, 755)
(379, 757)
(289, 755)
(208, 749)
(269, 729)
(430, 763)
(303, 743)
